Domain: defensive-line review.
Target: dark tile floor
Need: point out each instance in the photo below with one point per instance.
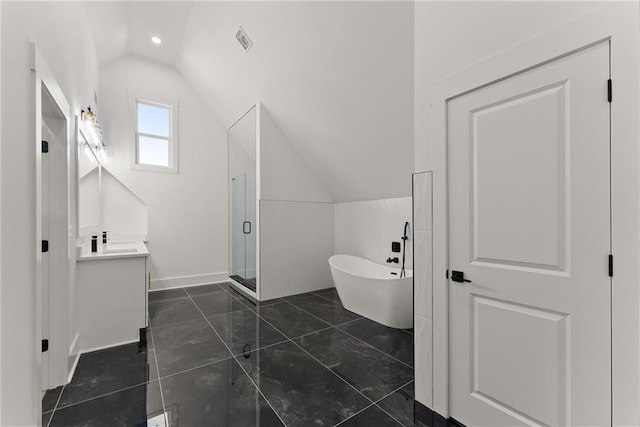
(216, 358)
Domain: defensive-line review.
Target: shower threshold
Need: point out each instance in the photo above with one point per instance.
(247, 283)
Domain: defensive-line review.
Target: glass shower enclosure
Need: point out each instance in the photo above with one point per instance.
(242, 201)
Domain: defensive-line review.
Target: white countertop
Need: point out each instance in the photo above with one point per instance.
(113, 250)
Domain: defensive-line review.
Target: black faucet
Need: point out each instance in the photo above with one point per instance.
(396, 260)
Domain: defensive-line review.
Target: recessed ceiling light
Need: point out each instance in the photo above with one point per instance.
(156, 40)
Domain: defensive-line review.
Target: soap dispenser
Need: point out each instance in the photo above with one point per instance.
(104, 237)
(94, 244)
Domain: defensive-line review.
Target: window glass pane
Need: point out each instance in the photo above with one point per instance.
(153, 151)
(153, 119)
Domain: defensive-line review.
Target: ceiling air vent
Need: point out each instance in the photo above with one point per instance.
(242, 38)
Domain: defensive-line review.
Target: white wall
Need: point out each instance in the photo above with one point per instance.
(296, 242)
(123, 212)
(284, 174)
(366, 229)
(469, 40)
(89, 202)
(187, 211)
(336, 76)
(296, 217)
(57, 30)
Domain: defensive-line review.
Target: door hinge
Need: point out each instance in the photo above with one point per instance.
(45, 246)
(45, 345)
(610, 265)
(609, 90)
(447, 274)
(45, 146)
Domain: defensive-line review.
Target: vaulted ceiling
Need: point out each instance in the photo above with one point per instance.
(336, 76)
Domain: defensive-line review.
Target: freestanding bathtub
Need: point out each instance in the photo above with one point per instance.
(373, 290)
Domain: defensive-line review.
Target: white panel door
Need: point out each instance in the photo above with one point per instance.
(529, 212)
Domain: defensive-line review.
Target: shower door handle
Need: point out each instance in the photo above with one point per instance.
(244, 227)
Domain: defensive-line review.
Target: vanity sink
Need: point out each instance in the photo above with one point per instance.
(109, 250)
(122, 249)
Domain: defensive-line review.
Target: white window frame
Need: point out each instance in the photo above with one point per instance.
(172, 139)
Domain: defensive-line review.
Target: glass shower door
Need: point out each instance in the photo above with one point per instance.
(243, 220)
(250, 236)
(242, 199)
(238, 203)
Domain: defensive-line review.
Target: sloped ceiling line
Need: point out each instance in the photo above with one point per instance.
(337, 76)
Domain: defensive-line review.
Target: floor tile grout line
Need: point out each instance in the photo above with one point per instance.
(330, 326)
(318, 361)
(380, 350)
(155, 357)
(55, 407)
(353, 415)
(348, 321)
(352, 336)
(58, 407)
(310, 314)
(243, 369)
(333, 301)
(326, 298)
(255, 349)
(376, 403)
(394, 391)
(105, 394)
(226, 359)
(390, 415)
(191, 320)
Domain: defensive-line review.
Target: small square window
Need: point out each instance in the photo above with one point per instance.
(155, 146)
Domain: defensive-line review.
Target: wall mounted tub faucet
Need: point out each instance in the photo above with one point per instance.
(396, 260)
(405, 237)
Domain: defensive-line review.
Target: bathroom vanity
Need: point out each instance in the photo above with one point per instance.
(112, 294)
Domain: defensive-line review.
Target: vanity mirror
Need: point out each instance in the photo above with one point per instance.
(89, 177)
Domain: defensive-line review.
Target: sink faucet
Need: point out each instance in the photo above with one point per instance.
(396, 260)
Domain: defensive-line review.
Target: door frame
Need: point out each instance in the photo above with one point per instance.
(58, 294)
(618, 23)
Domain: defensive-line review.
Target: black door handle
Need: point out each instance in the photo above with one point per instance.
(458, 276)
(244, 228)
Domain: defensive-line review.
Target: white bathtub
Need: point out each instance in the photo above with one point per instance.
(372, 291)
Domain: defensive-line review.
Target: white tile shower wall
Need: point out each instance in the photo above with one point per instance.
(423, 360)
(366, 229)
(422, 215)
(423, 287)
(296, 241)
(422, 283)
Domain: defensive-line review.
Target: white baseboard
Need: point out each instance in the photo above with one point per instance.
(178, 282)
